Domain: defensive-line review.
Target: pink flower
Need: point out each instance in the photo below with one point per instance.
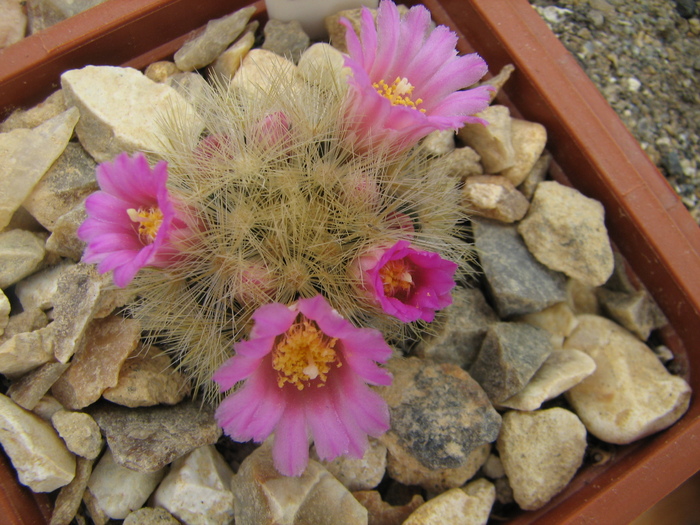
(405, 79)
(131, 223)
(407, 283)
(304, 371)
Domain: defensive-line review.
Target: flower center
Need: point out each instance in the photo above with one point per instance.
(149, 221)
(396, 278)
(304, 354)
(399, 93)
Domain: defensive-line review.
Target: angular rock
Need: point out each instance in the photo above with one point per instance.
(537, 174)
(26, 321)
(529, 139)
(510, 355)
(630, 395)
(460, 163)
(566, 232)
(21, 254)
(261, 72)
(262, 496)
(228, 62)
(499, 80)
(148, 378)
(5, 309)
(80, 433)
(190, 86)
(76, 299)
(439, 142)
(382, 513)
(108, 342)
(66, 184)
(562, 370)
(27, 350)
(70, 496)
(559, 320)
(286, 39)
(456, 334)
(147, 439)
(29, 390)
(197, 488)
(358, 474)
(470, 505)
(493, 467)
(635, 311)
(493, 197)
(47, 407)
(438, 412)
(518, 283)
(119, 109)
(118, 490)
(30, 152)
(404, 467)
(13, 22)
(150, 516)
(41, 460)
(581, 298)
(541, 451)
(38, 290)
(494, 142)
(63, 240)
(52, 106)
(215, 38)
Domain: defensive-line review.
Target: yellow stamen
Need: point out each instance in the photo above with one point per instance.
(399, 93)
(149, 221)
(304, 354)
(396, 278)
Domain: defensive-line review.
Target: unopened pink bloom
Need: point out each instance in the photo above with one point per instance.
(132, 221)
(305, 371)
(406, 79)
(407, 283)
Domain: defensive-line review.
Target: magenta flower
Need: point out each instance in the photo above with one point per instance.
(132, 222)
(305, 371)
(407, 283)
(406, 79)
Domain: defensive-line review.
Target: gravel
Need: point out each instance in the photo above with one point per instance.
(644, 57)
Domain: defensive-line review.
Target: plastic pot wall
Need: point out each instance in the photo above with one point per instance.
(593, 152)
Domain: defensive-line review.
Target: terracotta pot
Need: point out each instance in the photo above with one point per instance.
(593, 152)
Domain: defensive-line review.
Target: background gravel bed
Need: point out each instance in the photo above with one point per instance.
(644, 57)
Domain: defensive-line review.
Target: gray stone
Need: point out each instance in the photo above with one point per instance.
(262, 496)
(13, 22)
(28, 154)
(116, 490)
(287, 39)
(147, 439)
(566, 232)
(41, 459)
(510, 355)
(71, 496)
(541, 451)
(29, 390)
(493, 197)
(21, 254)
(470, 505)
(190, 86)
(358, 474)
(215, 38)
(494, 142)
(518, 283)
(456, 334)
(79, 432)
(636, 311)
(45, 13)
(438, 412)
(225, 66)
(630, 395)
(120, 109)
(69, 180)
(197, 488)
(64, 241)
(562, 370)
(95, 367)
